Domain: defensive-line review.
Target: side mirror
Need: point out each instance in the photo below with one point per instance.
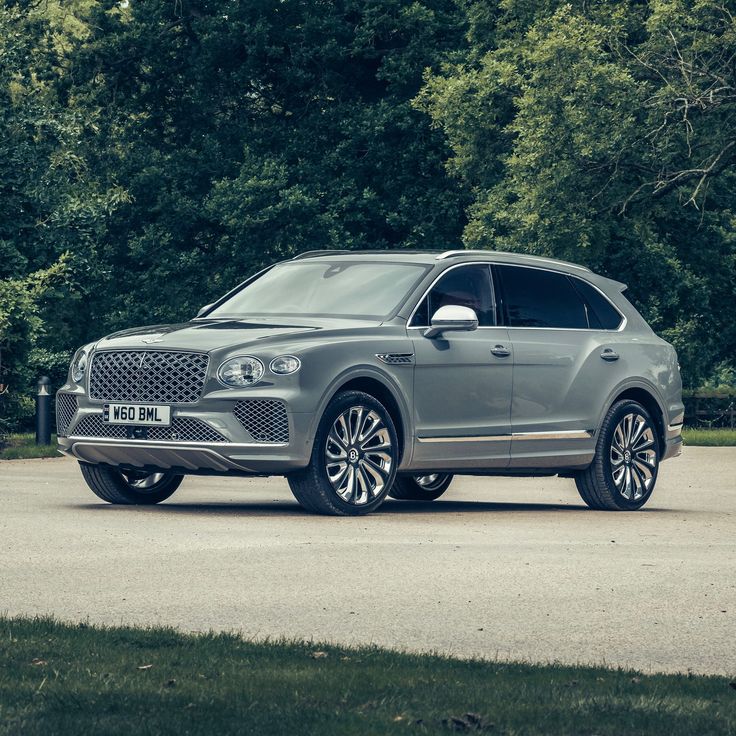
(204, 309)
(452, 318)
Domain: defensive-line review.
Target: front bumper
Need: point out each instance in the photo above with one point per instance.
(186, 457)
(222, 442)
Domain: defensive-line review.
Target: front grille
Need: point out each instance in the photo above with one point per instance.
(93, 426)
(265, 419)
(149, 376)
(182, 429)
(66, 408)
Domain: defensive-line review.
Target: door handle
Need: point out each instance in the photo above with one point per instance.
(609, 355)
(500, 351)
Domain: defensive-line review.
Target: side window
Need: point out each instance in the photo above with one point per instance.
(602, 315)
(465, 286)
(538, 298)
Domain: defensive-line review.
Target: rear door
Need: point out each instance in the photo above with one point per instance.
(560, 376)
(462, 380)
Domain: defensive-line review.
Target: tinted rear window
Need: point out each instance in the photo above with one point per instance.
(537, 298)
(601, 313)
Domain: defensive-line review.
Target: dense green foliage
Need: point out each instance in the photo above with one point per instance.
(606, 134)
(76, 679)
(153, 154)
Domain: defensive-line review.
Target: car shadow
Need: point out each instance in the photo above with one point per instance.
(414, 508)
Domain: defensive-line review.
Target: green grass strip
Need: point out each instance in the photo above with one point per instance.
(709, 437)
(24, 447)
(76, 679)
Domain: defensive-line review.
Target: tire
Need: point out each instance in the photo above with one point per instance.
(129, 487)
(427, 487)
(354, 458)
(624, 470)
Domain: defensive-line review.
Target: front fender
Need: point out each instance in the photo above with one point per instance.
(396, 387)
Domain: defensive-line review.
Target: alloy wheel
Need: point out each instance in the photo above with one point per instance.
(143, 481)
(430, 482)
(358, 455)
(633, 457)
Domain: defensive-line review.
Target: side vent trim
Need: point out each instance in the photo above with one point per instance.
(396, 358)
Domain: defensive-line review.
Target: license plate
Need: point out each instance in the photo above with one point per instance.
(145, 415)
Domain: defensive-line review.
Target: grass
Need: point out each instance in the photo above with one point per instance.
(76, 679)
(709, 437)
(23, 446)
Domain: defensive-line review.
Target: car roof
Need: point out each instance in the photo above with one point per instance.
(436, 257)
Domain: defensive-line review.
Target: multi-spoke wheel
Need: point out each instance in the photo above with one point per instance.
(129, 486)
(354, 458)
(624, 471)
(633, 457)
(427, 487)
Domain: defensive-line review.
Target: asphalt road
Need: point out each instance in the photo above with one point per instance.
(507, 568)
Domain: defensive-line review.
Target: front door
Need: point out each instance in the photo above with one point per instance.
(462, 380)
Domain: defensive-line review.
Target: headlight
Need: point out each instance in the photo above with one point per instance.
(245, 370)
(79, 365)
(285, 364)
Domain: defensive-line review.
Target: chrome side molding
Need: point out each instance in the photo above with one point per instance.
(564, 434)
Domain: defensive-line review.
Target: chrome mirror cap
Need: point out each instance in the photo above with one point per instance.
(452, 318)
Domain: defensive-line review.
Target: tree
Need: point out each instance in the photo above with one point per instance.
(606, 136)
(51, 210)
(244, 136)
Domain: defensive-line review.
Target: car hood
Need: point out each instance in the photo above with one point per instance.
(207, 335)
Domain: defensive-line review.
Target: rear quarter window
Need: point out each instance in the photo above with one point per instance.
(602, 315)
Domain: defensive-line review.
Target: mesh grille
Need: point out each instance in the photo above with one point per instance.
(265, 419)
(92, 426)
(182, 429)
(396, 358)
(150, 376)
(66, 408)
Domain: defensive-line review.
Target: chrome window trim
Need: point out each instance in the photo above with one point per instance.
(562, 434)
(620, 328)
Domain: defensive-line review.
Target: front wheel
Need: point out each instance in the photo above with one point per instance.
(129, 487)
(428, 487)
(353, 461)
(624, 470)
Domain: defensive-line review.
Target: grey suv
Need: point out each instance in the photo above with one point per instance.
(359, 375)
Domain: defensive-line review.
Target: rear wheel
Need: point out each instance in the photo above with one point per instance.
(129, 487)
(426, 487)
(353, 461)
(624, 470)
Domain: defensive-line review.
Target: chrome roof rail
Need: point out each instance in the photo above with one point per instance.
(452, 253)
(521, 256)
(318, 253)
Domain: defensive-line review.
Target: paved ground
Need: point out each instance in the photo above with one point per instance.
(509, 568)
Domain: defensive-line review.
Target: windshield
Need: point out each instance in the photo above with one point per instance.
(319, 289)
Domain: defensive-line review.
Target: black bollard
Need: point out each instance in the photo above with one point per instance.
(43, 411)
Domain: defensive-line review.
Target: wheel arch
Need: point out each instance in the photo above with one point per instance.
(381, 388)
(648, 399)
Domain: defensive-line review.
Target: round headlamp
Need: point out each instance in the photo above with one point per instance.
(285, 364)
(245, 370)
(79, 365)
